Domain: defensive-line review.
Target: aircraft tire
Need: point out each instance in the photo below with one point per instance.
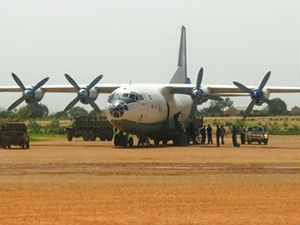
(156, 142)
(130, 142)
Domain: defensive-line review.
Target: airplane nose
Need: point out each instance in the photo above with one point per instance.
(117, 108)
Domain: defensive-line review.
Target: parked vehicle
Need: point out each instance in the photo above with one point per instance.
(256, 134)
(90, 127)
(14, 134)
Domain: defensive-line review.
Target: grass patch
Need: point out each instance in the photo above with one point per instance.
(46, 137)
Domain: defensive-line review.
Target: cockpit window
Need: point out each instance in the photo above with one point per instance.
(133, 96)
(126, 97)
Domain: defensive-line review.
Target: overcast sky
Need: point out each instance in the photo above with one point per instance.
(138, 41)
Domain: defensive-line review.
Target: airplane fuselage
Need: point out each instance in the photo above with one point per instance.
(146, 109)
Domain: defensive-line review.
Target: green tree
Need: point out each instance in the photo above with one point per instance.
(77, 111)
(3, 114)
(94, 113)
(30, 111)
(60, 115)
(277, 107)
(217, 107)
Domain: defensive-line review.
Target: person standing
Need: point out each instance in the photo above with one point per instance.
(218, 134)
(203, 135)
(234, 134)
(222, 134)
(242, 130)
(209, 134)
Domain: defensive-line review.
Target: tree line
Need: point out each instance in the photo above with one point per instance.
(276, 107)
(30, 112)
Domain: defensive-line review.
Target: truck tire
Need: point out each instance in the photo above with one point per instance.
(92, 135)
(110, 135)
(102, 138)
(27, 145)
(85, 135)
(69, 136)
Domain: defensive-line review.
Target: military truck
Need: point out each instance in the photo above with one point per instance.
(89, 128)
(14, 133)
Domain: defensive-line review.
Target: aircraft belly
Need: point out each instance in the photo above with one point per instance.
(139, 129)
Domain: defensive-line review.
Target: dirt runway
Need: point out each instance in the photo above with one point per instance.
(60, 182)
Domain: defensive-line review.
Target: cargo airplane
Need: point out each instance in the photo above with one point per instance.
(161, 112)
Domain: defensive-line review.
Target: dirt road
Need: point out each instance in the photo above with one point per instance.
(60, 182)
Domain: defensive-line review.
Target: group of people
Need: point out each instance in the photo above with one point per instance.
(220, 134)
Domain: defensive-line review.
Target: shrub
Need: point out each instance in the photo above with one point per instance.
(54, 128)
(34, 127)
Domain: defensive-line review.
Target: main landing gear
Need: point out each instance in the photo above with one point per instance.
(123, 140)
(144, 142)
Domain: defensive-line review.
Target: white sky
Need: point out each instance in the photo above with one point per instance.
(136, 40)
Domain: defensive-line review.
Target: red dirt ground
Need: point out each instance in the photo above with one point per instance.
(60, 182)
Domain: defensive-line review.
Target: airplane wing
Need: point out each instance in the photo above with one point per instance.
(101, 88)
(228, 90)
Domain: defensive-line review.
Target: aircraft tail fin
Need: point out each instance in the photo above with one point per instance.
(180, 75)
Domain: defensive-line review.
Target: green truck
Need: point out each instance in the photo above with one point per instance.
(14, 133)
(89, 128)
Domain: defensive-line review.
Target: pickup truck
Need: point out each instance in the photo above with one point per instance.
(256, 134)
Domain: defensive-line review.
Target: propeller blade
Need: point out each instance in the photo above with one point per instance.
(193, 109)
(71, 104)
(266, 100)
(40, 84)
(93, 104)
(249, 109)
(264, 81)
(15, 104)
(199, 78)
(242, 87)
(35, 103)
(72, 82)
(94, 82)
(212, 97)
(18, 81)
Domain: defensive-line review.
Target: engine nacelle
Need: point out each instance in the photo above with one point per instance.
(201, 100)
(37, 94)
(258, 96)
(92, 94)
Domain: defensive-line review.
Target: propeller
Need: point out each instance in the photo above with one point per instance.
(28, 93)
(198, 93)
(83, 94)
(257, 95)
